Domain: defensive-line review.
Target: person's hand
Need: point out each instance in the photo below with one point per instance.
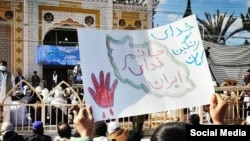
(103, 94)
(243, 122)
(84, 120)
(218, 108)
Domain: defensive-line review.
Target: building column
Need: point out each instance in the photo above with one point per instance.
(150, 13)
(25, 39)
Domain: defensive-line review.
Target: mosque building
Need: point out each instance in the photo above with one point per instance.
(27, 25)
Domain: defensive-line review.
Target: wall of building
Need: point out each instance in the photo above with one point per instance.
(11, 40)
(64, 12)
(28, 25)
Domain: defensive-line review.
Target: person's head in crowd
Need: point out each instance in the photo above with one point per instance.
(100, 129)
(3, 63)
(170, 131)
(54, 72)
(134, 135)
(37, 127)
(64, 130)
(6, 127)
(9, 135)
(38, 89)
(18, 95)
(3, 66)
(8, 132)
(248, 71)
(113, 126)
(206, 108)
(116, 132)
(194, 119)
(19, 73)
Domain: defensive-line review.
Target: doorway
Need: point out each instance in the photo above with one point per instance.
(63, 73)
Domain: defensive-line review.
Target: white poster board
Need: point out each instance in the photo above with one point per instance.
(133, 72)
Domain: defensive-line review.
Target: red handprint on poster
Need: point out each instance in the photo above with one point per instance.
(102, 93)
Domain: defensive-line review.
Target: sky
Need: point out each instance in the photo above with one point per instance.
(169, 11)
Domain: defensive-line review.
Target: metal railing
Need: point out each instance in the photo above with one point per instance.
(52, 113)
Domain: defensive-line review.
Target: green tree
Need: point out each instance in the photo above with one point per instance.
(215, 28)
(246, 20)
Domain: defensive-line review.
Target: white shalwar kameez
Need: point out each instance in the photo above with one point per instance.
(6, 109)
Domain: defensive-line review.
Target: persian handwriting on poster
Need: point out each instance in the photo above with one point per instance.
(164, 64)
(187, 44)
(139, 61)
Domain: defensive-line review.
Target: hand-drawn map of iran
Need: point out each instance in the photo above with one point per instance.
(148, 66)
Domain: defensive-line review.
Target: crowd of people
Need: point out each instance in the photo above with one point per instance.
(87, 129)
(22, 115)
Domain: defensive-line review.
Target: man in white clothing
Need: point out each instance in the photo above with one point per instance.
(7, 82)
(54, 79)
(76, 69)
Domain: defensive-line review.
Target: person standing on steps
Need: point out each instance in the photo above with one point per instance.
(35, 79)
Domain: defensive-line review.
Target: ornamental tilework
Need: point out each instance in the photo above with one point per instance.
(62, 16)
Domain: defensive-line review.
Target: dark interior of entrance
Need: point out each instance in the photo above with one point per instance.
(64, 74)
(59, 37)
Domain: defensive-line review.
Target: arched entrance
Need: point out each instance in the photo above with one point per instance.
(63, 34)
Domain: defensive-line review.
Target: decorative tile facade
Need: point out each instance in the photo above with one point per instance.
(11, 41)
(62, 14)
(27, 28)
